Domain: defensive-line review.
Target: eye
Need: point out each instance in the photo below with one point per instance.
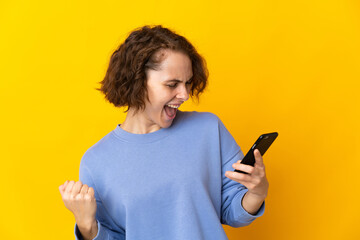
(189, 82)
(172, 85)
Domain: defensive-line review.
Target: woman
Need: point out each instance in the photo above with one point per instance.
(162, 173)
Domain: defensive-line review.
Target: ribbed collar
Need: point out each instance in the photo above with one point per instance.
(147, 137)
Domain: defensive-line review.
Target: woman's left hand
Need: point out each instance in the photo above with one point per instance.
(255, 181)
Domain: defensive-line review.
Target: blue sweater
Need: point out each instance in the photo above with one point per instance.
(168, 184)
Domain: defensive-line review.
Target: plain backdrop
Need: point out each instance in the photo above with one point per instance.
(286, 66)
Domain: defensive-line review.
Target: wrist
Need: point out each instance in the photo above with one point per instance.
(87, 225)
(256, 197)
(252, 203)
(88, 229)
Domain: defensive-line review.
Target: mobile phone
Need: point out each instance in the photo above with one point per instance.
(262, 144)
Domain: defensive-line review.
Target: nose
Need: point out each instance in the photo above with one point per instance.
(183, 93)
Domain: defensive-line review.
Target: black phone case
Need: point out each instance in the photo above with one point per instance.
(262, 144)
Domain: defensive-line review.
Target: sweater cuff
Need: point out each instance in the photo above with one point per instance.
(100, 234)
(244, 215)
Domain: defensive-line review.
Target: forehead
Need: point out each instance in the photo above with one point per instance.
(175, 63)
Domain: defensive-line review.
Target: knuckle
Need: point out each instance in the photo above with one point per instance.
(65, 195)
(87, 197)
(78, 197)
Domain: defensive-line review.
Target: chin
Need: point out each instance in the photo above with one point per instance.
(165, 124)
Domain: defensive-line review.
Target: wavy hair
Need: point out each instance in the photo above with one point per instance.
(125, 81)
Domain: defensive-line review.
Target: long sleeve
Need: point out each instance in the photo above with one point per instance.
(233, 213)
(104, 223)
(103, 233)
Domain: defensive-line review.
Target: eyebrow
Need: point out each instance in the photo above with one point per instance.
(177, 80)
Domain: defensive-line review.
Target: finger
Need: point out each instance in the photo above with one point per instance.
(66, 183)
(76, 189)
(258, 158)
(259, 165)
(239, 161)
(84, 189)
(63, 186)
(91, 192)
(69, 186)
(243, 167)
(61, 189)
(238, 177)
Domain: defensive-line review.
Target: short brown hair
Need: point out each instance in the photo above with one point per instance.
(125, 80)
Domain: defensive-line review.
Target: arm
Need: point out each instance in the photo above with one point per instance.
(97, 231)
(252, 203)
(236, 200)
(86, 231)
(239, 205)
(255, 181)
(102, 226)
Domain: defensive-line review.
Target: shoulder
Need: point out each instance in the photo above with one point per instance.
(199, 123)
(95, 152)
(200, 117)
(204, 121)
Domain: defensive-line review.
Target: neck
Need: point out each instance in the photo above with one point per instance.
(138, 123)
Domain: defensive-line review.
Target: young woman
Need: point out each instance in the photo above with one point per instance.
(162, 173)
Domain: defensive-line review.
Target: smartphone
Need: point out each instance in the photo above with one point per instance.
(262, 144)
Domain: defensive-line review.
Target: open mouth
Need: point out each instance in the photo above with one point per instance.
(170, 110)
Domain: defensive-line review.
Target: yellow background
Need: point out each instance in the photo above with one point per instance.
(278, 65)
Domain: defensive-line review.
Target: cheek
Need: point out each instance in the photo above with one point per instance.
(156, 103)
(160, 98)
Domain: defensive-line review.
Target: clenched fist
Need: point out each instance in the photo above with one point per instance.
(80, 200)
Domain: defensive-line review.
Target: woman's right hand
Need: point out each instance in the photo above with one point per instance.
(80, 200)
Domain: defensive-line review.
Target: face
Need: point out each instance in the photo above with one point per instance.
(168, 88)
